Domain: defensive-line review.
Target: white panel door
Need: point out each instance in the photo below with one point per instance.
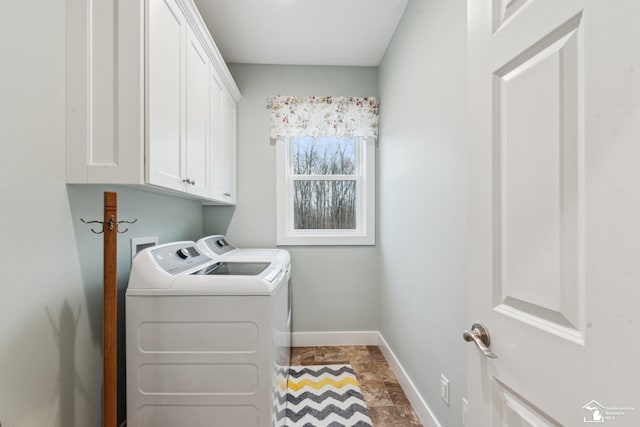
(165, 93)
(197, 105)
(554, 95)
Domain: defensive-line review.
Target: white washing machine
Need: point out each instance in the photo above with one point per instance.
(207, 340)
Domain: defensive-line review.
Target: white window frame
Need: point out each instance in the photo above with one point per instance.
(365, 231)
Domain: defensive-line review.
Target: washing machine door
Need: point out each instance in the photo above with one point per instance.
(233, 269)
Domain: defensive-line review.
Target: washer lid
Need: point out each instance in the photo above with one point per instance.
(234, 269)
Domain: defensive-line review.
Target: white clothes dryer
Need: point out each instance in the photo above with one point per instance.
(207, 340)
(217, 246)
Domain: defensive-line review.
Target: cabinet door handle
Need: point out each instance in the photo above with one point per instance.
(193, 182)
(227, 195)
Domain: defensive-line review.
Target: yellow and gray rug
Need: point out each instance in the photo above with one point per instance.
(325, 396)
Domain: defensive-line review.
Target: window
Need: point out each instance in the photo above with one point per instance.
(325, 174)
(325, 169)
(326, 191)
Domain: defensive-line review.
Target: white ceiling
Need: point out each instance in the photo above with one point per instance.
(302, 32)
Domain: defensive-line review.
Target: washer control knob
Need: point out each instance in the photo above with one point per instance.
(183, 253)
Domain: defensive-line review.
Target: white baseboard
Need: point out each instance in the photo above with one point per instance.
(423, 411)
(314, 339)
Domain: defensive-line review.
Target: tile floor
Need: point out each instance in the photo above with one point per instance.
(388, 406)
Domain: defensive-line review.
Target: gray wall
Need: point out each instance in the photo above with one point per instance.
(423, 199)
(51, 285)
(334, 288)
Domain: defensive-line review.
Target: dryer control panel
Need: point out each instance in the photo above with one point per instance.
(175, 259)
(218, 245)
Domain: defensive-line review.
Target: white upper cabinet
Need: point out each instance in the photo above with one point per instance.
(165, 112)
(222, 134)
(149, 99)
(197, 118)
(229, 126)
(217, 153)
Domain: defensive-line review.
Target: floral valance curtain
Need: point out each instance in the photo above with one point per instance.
(322, 116)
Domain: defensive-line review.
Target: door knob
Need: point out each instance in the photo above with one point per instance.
(480, 335)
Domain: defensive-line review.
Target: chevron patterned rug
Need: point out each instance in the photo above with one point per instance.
(325, 396)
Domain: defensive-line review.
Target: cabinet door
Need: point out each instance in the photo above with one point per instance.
(229, 138)
(165, 142)
(197, 88)
(216, 141)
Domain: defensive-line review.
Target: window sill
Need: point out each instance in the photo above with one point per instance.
(325, 239)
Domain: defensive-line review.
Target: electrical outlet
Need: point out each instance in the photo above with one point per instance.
(444, 389)
(465, 411)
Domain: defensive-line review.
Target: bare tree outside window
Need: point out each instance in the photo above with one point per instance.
(322, 204)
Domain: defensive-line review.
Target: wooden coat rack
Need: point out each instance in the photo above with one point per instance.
(110, 325)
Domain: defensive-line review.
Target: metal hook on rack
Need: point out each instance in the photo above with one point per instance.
(93, 222)
(111, 223)
(125, 222)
